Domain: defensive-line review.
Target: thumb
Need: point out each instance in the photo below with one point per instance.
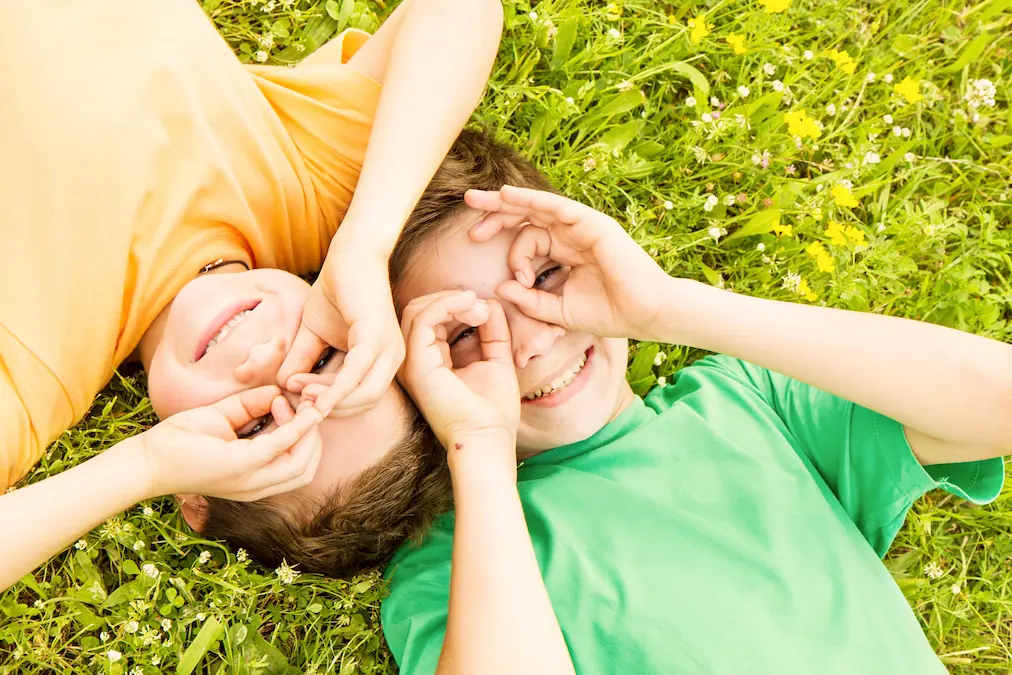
(302, 356)
(536, 304)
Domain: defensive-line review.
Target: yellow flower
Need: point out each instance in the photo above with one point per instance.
(823, 259)
(909, 89)
(672, 20)
(806, 292)
(699, 29)
(737, 42)
(843, 197)
(842, 60)
(783, 230)
(775, 6)
(801, 125)
(855, 235)
(834, 231)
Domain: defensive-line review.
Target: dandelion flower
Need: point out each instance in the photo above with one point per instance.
(843, 196)
(737, 43)
(698, 29)
(769, 68)
(808, 55)
(909, 89)
(801, 125)
(823, 260)
(711, 201)
(843, 61)
(690, 101)
(775, 6)
(743, 91)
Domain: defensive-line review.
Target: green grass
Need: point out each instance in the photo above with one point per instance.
(597, 95)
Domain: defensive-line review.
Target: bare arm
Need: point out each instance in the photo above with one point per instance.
(951, 390)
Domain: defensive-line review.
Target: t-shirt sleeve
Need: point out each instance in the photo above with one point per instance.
(864, 457)
(414, 614)
(327, 107)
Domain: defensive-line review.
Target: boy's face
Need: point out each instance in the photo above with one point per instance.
(263, 309)
(571, 384)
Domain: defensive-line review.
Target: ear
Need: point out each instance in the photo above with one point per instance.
(194, 508)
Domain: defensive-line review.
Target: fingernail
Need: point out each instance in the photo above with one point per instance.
(522, 278)
(295, 386)
(481, 306)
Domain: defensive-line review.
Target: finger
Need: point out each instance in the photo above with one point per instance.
(426, 342)
(375, 383)
(299, 481)
(242, 408)
(421, 302)
(531, 243)
(558, 208)
(540, 305)
(494, 334)
(266, 447)
(298, 382)
(282, 411)
(290, 465)
(303, 354)
(354, 369)
(494, 223)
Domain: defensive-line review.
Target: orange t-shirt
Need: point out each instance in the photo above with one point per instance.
(136, 149)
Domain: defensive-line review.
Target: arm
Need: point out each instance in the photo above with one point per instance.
(951, 390)
(196, 451)
(500, 617)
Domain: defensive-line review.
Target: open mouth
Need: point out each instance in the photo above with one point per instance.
(562, 381)
(222, 325)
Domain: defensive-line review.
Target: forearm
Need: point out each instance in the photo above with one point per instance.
(500, 618)
(946, 384)
(436, 73)
(40, 520)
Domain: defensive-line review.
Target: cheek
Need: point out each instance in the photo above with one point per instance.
(172, 388)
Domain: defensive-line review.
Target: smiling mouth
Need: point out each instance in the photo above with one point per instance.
(230, 324)
(560, 382)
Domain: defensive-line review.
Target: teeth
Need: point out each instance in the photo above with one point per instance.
(229, 325)
(561, 382)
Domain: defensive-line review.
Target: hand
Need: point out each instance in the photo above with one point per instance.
(349, 308)
(612, 289)
(477, 403)
(198, 451)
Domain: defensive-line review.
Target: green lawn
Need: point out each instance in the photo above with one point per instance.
(895, 200)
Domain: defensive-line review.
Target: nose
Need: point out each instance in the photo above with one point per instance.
(531, 338)
(262, 364)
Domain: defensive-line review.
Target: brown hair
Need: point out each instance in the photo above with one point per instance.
(359, 526)
(475, 162)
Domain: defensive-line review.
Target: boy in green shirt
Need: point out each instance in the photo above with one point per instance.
(731, 522)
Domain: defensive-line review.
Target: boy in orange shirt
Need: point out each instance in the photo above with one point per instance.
(160, 155)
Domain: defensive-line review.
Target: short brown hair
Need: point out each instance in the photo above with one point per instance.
(475, 162)
(359, 526)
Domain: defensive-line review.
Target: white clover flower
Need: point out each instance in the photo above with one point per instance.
(156, 659)
(552, 30)
(534, 16)
(570, 101)
(136, 670)
(909, 157)
(260, 56)
(888, 119)
(706, 117)
(711, 201)
(791, 282)
(808, 55)
(37, 604)
(716, 233)
(668, 206)
(778, 85)
(150, 570)
(956, 589)
(589, 164)
(831, 110)
(769, 68)
(662, 381)
(131, 626)
(286, 573)
(690, 101)
(659, 359)
(624, 85)
(700, 154)
(241, 555)
(743, 91)
(201, 616)
(905, 132)
(614, 34)
(980, 93)
(729, 200)
(139, 544)
(888, 78)
(760, 247)
(869, 78)
(846, 183)
(714, 101)
(871, 158)
(266, 40)
(81, 545)
(204, 557)
(166, 625)
(103, 636)
(113, 655)
(148, 511)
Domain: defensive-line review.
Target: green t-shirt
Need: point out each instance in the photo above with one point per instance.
(731, 523)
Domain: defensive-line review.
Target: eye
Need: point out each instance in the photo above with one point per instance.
(255, 427)
(469, 331)
(545, 275)
(325, 358)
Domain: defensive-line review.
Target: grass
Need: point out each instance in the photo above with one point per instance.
(599, 96)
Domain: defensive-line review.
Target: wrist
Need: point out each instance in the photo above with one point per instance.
(482, 456)
(685, 304)
(132, 468)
